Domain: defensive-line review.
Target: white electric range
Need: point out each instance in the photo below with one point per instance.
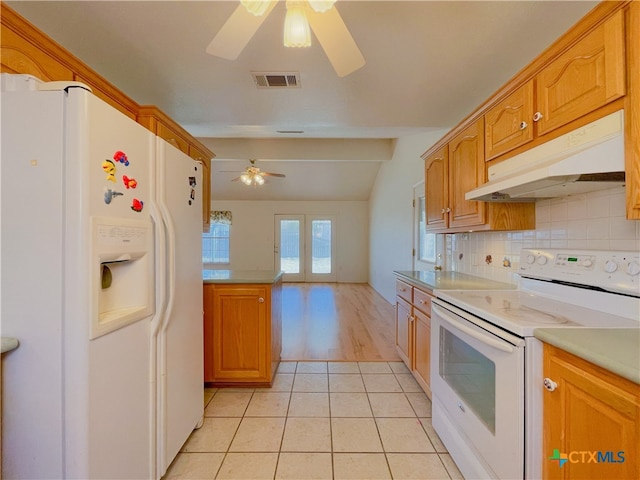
(486, 368)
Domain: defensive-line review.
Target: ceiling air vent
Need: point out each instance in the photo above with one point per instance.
(276, 79)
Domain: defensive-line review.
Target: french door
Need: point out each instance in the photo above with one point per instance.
(305, 247)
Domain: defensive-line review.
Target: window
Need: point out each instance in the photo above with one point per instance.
(426, 241)
(215, 244)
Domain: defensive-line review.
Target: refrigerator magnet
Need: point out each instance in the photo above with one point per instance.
(110, 168)
(121, 157)
(110, 195)
(129, 182)
(136, 205)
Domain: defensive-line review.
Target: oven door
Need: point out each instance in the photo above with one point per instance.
(477, 382)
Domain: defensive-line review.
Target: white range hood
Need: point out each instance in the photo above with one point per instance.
(587, 159)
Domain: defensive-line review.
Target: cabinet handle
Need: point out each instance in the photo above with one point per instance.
(422, 302)
(537, 116)
(523, 125)
(549, 384)
(442, 211)
(448, 210)
(260, 300)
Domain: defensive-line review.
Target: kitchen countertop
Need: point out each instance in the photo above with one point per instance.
(241, 276)
(614, 349)
(9, 343)
(451, 281)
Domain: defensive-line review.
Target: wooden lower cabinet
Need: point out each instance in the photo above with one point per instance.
(242, 333)
(591, 419)
(413, 331)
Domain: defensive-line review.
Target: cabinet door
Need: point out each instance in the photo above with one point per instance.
(587, 76)
(590, 411)
(240, 333)
(466, 172)
(436, 190)
(19, 55)
(209, 345)
(509, 124)
(422, 347)
(165, 132)
(404, 322)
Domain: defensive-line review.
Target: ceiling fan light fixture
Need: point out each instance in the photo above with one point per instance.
(321, 6)
(256, 7)
(297, 32)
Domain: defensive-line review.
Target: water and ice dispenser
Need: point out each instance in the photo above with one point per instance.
(122, 273)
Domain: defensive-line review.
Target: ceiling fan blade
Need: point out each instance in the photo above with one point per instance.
(236, 32)
(336, 41)
(268, 174)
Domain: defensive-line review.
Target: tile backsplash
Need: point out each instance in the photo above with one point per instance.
(593, 220)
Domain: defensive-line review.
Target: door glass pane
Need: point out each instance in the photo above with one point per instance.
(290, 246)
(426, 241)
(321, 246)
(471, 375)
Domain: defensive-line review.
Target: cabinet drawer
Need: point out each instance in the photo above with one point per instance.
(422, 301)
(404, 290)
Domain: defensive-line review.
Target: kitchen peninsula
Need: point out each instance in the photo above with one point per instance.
(242, 326)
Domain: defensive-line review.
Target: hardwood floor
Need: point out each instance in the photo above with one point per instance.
(336, 321)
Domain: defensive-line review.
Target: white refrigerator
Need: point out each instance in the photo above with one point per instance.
(100, 281)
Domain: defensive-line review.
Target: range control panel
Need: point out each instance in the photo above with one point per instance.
(615, 271)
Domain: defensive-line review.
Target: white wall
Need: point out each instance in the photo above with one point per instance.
(253, 233)
(391, 213)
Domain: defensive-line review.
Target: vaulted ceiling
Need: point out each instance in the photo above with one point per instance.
(428, 64)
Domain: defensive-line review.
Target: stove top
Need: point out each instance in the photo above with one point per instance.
(542, 302)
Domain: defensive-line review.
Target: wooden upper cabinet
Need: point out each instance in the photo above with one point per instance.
(587, 76)
(19, 55)
(509, 124)
(466, 172)
(436, 189)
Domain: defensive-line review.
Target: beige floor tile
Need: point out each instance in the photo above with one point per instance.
(248, 466)
(398, 367)
(420, 403)
(381, 382)
(304, 466)
(208, 395)
(355, 435)
(360, 466)
(309, 405)
(258, 434)
(374, 367)
(346, 382)
(408, 383)
(287, 367)
(451, 466)
(268, 404)
(282, 382)
(228, 404)
(350, 404)
(390, 405)
(194, 466)
(403, 435)
(311, 382)
(418, 466)
(307, 435)
(312, 367)
(343, 367)
(215, 435)
(433, 436)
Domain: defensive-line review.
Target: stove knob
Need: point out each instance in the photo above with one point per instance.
(531, 259)
(610, 266)
(542, 260)
(587, 263)
(633, 268)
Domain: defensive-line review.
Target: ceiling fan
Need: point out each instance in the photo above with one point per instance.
(252, 175)
(325, 21)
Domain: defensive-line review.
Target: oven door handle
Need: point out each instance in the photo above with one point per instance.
(486, 339)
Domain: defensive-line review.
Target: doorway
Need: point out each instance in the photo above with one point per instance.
(305, 247)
